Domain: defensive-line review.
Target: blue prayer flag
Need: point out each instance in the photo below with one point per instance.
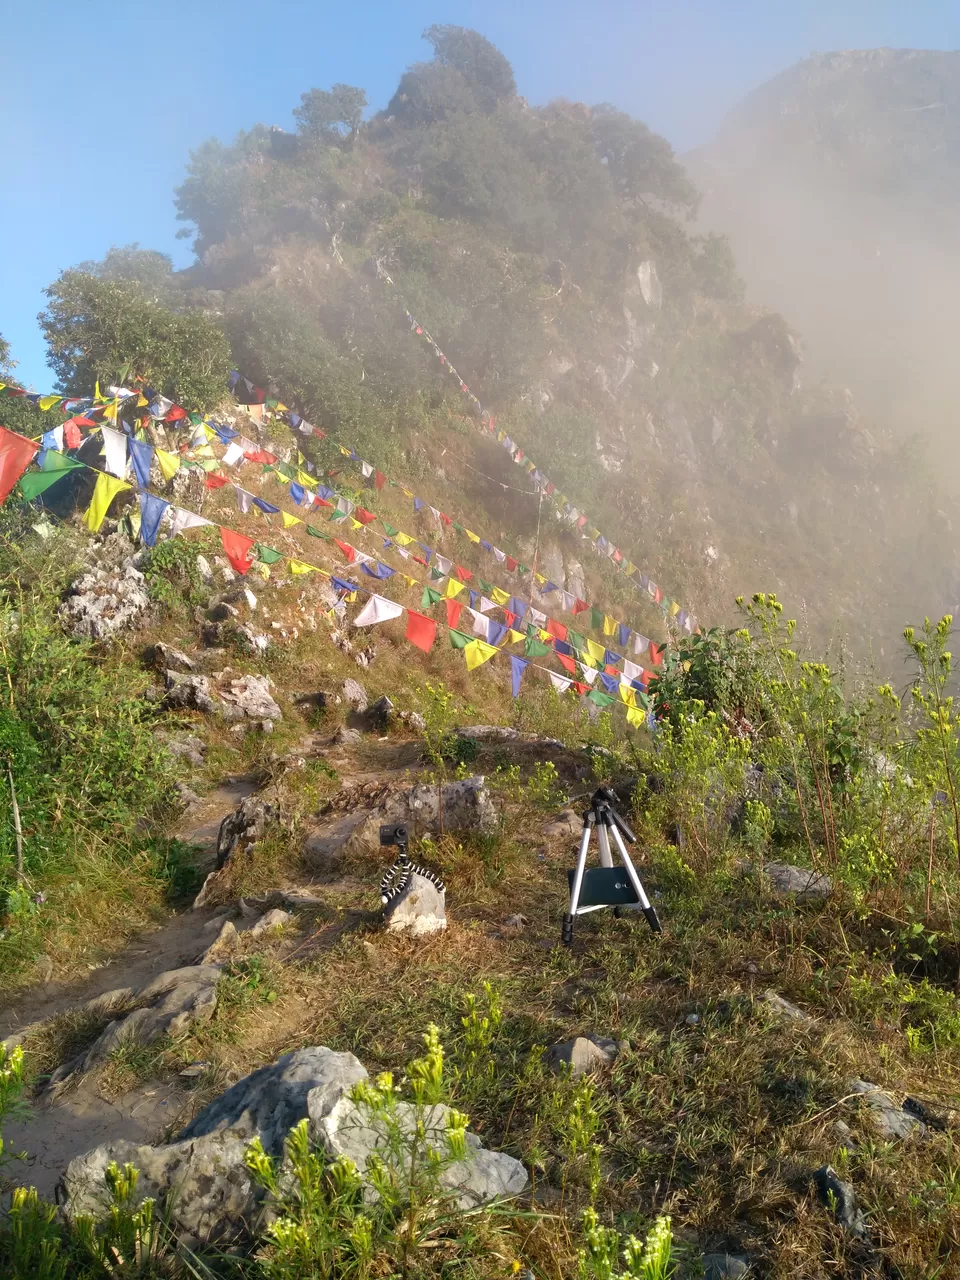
(141, 455)
(623, 633)
(265, 506)
(610, 683)
(518, 607)
(496, 632)
(151, 513)
(297, 492)
(517, 668)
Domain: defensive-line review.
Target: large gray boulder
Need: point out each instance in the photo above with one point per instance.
(187, 693)
(104, 602)
(466, 806)
(200, 1180)
(346, 1130)
(251, 694)
(167, 1006)
(201, 1183)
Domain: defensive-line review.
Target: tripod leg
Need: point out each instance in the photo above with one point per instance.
(653, 920)
(603, 840)
(566, 936)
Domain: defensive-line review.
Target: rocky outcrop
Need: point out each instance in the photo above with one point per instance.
(200, 1180)
(252, 696)
(466, 806)
(188, 693)
(167, 1006)
(104, 602)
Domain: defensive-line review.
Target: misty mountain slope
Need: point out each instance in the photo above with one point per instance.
(553, 255)
(838, 183)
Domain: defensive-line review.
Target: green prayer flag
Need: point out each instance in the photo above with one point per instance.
(316, 533)
(338, 515)
(33, 483)
(429, 597)
(599, 698)
(458, 527)
(533, 648)
(436, 574)
(389, 530)
(195, 418)
(522, 568)
(458, 639)
(267, 555)
(284, 469)
(576, 639)
(596, 618)
(485, 587)
(53, 461)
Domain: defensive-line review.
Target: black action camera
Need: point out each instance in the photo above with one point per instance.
(394, 833)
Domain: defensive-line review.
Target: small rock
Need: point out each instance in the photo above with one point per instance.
(725, 1266)
(890, 1120)
(166, 658)
(582, 1055)
(188, 693)
(217, 923)
(251, 694)
(516, 921)
(346, 737)
(250, 598)
(840, 1196)
(806, 884)
(44, 968)
(380, 712)
(562, 827)
(692, 1019)
(845, 1135)
(787, 1010)
(225, 943)
(221, 611)
(414, 720)
(211, 634)
(419, 909)
(195, 1069)
(274, 919)
(354, 695)
(254, 641)
(185, 796)
(188, 747)
(204, 570)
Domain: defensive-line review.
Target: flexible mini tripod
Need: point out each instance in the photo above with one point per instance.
(605, 886)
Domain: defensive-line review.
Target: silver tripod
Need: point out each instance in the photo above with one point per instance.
(605, 886)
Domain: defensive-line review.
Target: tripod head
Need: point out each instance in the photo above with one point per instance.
(603, 805)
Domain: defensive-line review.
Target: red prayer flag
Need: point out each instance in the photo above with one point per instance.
(509, 618)
(346, 548)
(71, 434)
(567, 663)
(556, 629)
(453, 612)
(379, 479)
(617, 555)
(446, 519)
(611, 670)
(581, 522)
(579, 606)
(214, 481)
(175, 414)
(16, 454)
(421, 630)
(364, 516)
(656, 654)
(580, 688)
(463, 574)
(237, 549)
(260, 455)
(511, 563)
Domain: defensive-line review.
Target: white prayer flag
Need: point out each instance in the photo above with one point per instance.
(631, 670)
(185, 520)
(234, 454)
(243, 499)
(377, 609)
(640, 644)
(367, 470)
(486, 605)
(560, 683)
(115, 451)
(443, 564)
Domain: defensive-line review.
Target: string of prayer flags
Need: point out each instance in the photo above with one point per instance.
(151, 513)
(377, 609)
(105, 490)
(16, 454)
(421, 630)
(237, 549)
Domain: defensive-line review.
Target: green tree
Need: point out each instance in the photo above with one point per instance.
(482, 65)
(331, 115)
(98, 324)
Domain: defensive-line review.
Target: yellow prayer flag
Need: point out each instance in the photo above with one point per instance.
(545, 636)
(299, 566)
(628, 567)
(355, 524)
(403, 538)
(203, 451)
(477, 652)
(674, 609)
(110, 411)
(474, 537)
(454, 587)
(350, 597)
(406, 492)
(499, 596)
(635, 717)
(169, 463)
(209, 432)
(593, 533)
(411, 582)
(106, 490)
(514, 637)
(609, 625)
(540, 578)
(281, 408)
(595, 650)
(345, 452)
(97, 397)
(628, 695)
(288, 520)
(142, 401)
(304, 478)
(47, 402)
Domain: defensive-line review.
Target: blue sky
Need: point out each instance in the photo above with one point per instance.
(101, 102)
